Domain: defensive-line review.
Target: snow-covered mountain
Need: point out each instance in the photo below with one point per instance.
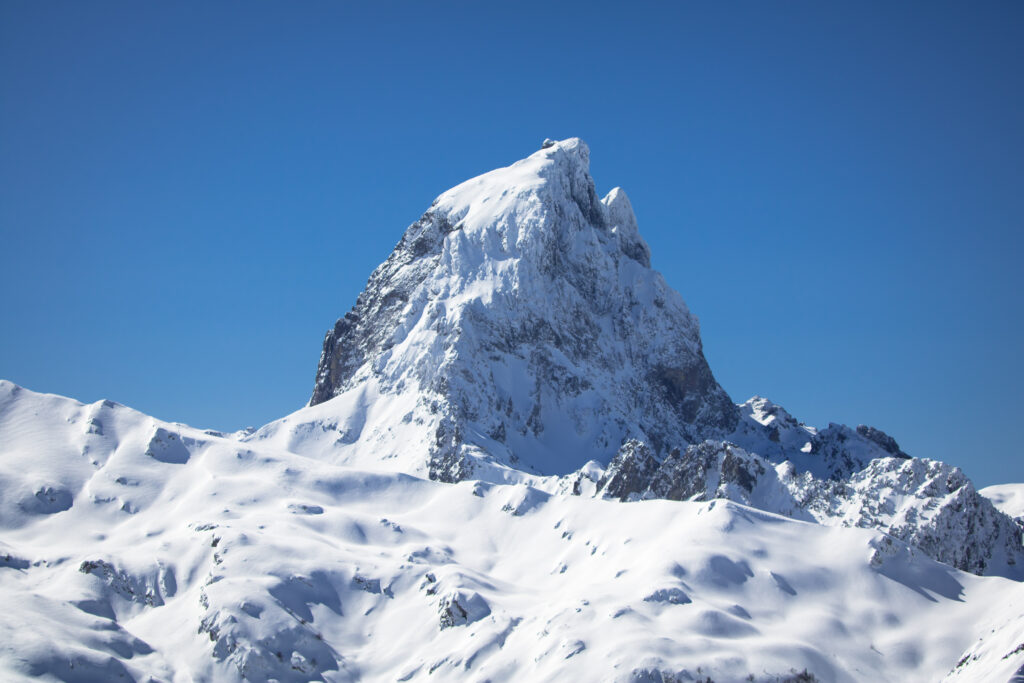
(518, 327)
(516, 463)
(522, 314)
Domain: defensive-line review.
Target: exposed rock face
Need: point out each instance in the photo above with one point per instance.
(629, 472)
(522, 311)
(717, 469)
(708, 470)
(882, 439)
(461, 608)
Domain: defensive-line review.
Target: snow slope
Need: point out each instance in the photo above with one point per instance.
(189, 555)
(998, 653)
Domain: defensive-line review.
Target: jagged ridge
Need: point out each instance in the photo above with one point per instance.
(925, 503)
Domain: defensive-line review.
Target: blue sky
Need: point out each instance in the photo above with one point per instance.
(191, 193)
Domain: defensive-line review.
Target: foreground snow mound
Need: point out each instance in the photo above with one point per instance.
(190, 555)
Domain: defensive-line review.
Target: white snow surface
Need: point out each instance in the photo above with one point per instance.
(138, 549)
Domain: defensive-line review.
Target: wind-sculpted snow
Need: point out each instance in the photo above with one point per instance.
(243, 561)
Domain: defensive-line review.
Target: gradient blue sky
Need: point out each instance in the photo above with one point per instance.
(191, 193)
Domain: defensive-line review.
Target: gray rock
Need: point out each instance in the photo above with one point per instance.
(48, 500)
(882, 439)
(462, 607)
(630, 471)
(671, 596)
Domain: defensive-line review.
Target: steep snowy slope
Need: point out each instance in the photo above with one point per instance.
(178, 554)
(998, 653)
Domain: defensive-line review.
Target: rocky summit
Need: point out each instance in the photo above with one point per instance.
(516, 464)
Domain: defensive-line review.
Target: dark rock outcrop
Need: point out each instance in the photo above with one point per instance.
(630, 471)
(882, 439)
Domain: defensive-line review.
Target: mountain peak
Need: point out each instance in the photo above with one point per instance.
(522, 314)
(622, 220)
(551, 175)
(572, 146)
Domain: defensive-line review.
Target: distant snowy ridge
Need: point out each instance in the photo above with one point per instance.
(926, 503)
(835, 452)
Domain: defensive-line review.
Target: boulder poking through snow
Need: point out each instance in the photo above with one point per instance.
(462, 607)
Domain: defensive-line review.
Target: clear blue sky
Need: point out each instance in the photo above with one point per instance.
(191, 193)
